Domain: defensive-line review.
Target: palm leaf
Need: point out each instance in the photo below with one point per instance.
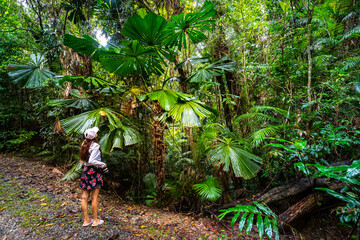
(190, 113)
(33, 74)
(167, 98)
(212, 70)
(131, 57)
(74, 172)
(209, 189)
(190, 24)
(243, 163)
(86, 45)
(78, 103)
(149, 30)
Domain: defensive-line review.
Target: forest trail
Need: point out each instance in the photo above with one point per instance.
(35, 204)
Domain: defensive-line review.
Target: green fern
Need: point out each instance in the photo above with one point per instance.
(209, 189)
(351, 63)
(266, 220)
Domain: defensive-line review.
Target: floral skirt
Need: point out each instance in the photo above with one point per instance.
(91, 178)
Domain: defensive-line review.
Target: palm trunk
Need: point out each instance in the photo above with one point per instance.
(159, 150)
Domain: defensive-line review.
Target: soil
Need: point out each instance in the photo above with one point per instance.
(36, 204)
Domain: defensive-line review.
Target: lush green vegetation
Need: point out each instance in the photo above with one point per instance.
(198, 103)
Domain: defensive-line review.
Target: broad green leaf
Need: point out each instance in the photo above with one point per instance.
(191, 112)
(208, 72)
(167, 98)
(260, 225)
(78, 103)
(149, 30)
(275, 229)
(86, 45)
(300, 144)
(265, 209)
(234, 219)
(267, 226)
(301, 166)
(281, 146)
(131, 58)
(74, 172)
(250, 223)
(141, 12)
(242, 222)
(340, 196)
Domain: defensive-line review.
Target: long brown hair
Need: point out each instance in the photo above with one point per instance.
(84, 149)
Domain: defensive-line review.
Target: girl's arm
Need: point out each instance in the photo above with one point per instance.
(95, 156)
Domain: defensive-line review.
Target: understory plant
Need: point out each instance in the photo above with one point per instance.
(264, 218)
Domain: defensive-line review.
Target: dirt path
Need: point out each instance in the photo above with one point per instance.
(35, 204)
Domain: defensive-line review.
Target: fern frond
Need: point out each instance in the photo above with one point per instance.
(351, 33)
(351, 63)
(280, 111)
(259, 136)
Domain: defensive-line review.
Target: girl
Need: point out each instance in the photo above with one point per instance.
(91, 177)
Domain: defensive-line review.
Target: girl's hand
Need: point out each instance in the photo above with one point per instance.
(105, 165)
(81, 161)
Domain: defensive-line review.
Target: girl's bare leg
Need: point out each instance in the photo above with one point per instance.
(94, 204)
(84, 205)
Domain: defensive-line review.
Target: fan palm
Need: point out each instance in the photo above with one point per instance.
(118, 134)
(85, 45)
(243, 163)
(190, 24)
(31, 75)
(209, 189)
(183, 108)
(212, 70)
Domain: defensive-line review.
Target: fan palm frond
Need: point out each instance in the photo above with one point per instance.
(78, 103)
(190, 113)
(212, 70)
(74, 172)
(33, 74)
(243, 163)
(209, 189)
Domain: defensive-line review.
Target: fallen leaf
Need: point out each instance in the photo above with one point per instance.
(43, 204)
(2, 209)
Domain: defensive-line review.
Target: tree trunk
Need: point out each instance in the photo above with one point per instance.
(308, 43)
(159, 150)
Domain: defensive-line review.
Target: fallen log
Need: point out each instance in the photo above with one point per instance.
(308, 204)
(276, 194)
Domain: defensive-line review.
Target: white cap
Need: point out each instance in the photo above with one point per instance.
(91, 133)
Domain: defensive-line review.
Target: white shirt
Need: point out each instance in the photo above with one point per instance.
(95, 156)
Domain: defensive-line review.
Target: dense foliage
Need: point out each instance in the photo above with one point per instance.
(192, 99)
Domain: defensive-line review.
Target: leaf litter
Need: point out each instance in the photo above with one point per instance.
(46, 208)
